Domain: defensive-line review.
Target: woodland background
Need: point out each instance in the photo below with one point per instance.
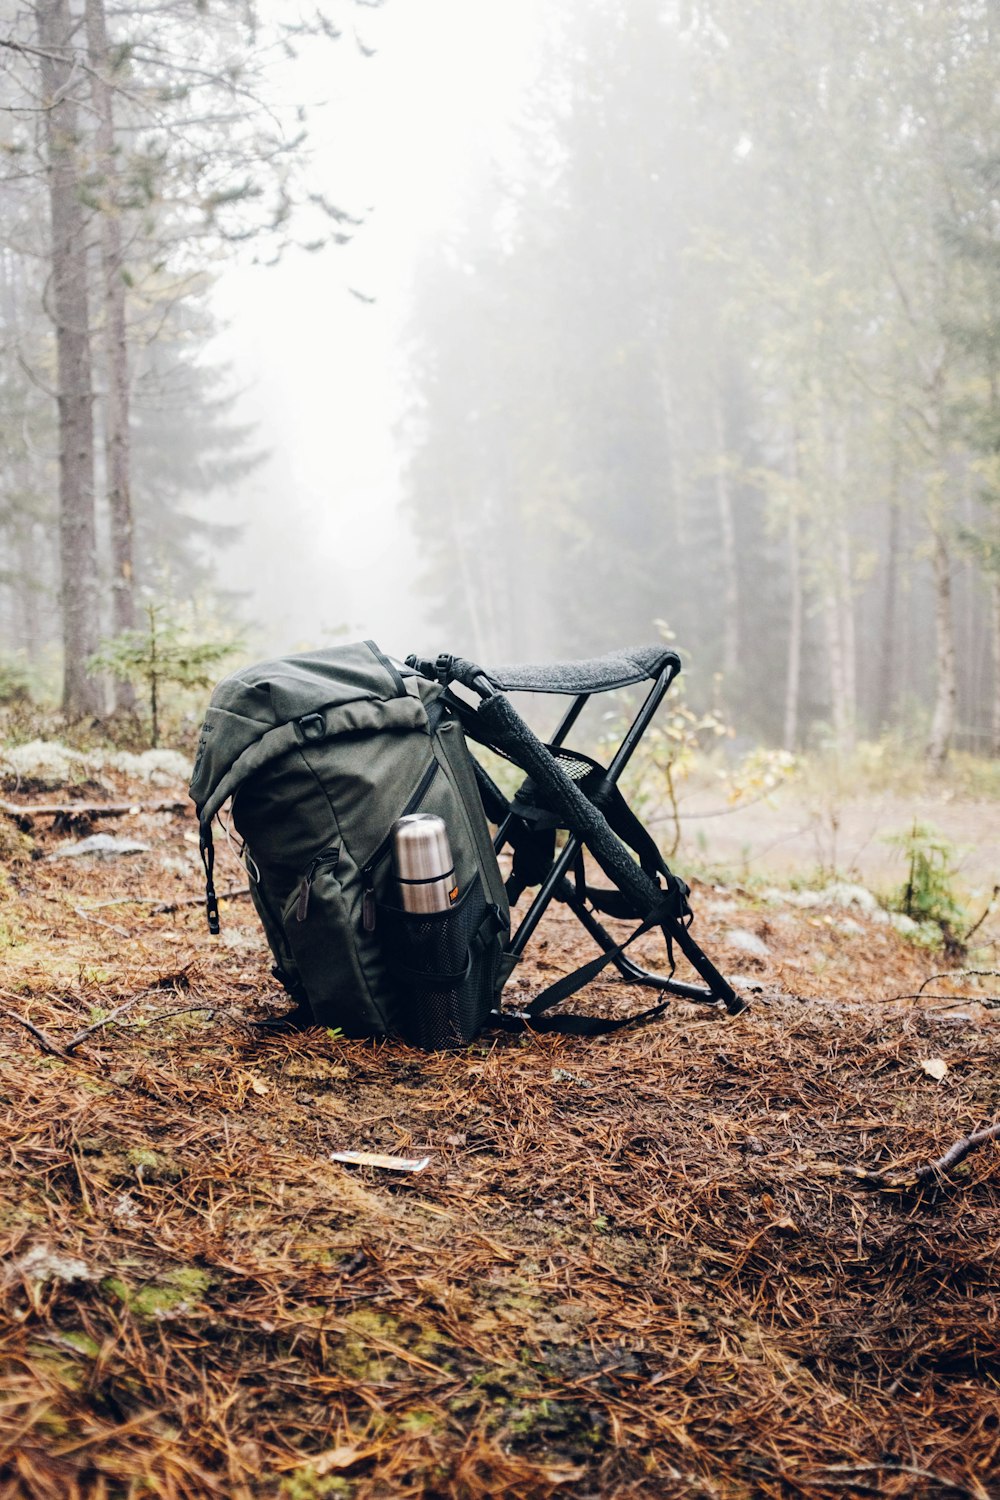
(708, 350)
(715, 353)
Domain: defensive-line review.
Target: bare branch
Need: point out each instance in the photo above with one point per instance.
(933, 1171)
(88, 1031)
(46, 1044)
(88, 809)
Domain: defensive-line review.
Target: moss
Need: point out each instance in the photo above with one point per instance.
(172, 1295)
(93, 974)
(306, 1484)
(419, 1421)
(83, 1343)
(52, 1424)
(55, 1365)
(151, 1166)
(360, 1355)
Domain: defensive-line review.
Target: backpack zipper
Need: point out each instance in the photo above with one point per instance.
(325, 857)
(368, 873)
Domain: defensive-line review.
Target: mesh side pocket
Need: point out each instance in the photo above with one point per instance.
(444, 965)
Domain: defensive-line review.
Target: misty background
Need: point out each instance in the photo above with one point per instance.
(515, 331)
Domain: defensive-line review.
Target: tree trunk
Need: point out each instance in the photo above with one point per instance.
(835, 661)
(995, 632)
(116, 402)
(793, 667)
(727, 529)
(888, 676)
(845, 620)
(839, 619)
(943, 722)
(71, 316)
(677, 505)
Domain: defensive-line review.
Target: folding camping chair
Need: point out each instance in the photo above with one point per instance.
(565, 789)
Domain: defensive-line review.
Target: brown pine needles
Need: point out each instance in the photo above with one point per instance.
(634, 1266)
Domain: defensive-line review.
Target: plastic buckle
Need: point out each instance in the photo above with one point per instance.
(311, 726)
(443, 669)
(501, 922)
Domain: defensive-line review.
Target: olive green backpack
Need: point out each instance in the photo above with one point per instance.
(320, 754)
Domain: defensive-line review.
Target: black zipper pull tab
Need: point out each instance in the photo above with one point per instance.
(328, 857)
(368, 909)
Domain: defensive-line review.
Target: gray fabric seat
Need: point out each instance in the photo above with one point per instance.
(599, 674)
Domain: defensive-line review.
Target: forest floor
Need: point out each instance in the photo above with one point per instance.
(791, 833)
(634, 1266)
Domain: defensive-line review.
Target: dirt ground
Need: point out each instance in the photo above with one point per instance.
(635, 1266)
(791, 833)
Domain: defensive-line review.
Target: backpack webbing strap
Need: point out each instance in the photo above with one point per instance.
(207, 850)
(534, 842)
(507, 1020)
(568, 985)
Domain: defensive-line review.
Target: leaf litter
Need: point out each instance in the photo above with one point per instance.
(636, 1266)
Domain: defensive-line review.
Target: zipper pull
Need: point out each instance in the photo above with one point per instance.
(368, 909)
(328, 857)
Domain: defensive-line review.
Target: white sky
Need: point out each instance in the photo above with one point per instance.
(405, 132)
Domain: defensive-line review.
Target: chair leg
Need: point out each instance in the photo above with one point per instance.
(630, 971)
(546, 891)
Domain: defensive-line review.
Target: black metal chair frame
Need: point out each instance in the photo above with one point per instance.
(557, 885)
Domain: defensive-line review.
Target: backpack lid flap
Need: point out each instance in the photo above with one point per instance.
(258, 713)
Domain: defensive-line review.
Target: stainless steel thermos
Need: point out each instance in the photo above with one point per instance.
(425, 870)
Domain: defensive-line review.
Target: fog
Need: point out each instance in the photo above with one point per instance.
(616, 322)
(408, 134)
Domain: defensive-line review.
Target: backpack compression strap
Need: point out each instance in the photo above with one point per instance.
(207, 851)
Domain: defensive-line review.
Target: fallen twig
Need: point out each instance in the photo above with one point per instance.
(46, 1044)
(933, 1170)
(921, 993)
(87, 1031)
(914, 1471)
(87, 916)
(185, 1010)
(990, 905)
(989, 1002)
(960, 974)
(159, 908)
(88, 809)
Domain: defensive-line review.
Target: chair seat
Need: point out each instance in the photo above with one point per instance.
(599, 674)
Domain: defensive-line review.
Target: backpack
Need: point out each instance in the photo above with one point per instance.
(321, 753)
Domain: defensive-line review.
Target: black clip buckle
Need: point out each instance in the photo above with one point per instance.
(443, 669)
